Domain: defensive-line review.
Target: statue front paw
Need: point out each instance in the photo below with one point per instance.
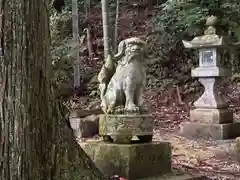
(119, 110)
(132, 108)
(104, 106)
(109, 111)
(144, 109)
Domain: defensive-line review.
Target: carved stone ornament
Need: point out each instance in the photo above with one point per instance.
(210, 38)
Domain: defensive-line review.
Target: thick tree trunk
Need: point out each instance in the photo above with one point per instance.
(35, 143)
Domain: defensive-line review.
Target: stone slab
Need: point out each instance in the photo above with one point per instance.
(85, 127)
(81, 113)
(211, 116)
(126, 124)
(210, 131)
(133, 161)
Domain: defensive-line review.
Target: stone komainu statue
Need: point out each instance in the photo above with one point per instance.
(122, 78)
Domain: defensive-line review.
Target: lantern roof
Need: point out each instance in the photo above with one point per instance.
(210, 37)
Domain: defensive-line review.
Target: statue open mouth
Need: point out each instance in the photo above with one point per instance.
(135, 52)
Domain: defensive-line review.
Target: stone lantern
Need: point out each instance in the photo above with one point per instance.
(211, 117)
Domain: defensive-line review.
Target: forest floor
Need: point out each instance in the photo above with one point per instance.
(216, 159)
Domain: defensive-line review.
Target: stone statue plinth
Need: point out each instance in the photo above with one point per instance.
(211, 117)
(132, 161)
(121, 128)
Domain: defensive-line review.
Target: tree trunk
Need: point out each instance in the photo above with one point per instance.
(115, 44)
(1, 28)
(105, 19)
(89, 28)
(76, 68)
(35, 141)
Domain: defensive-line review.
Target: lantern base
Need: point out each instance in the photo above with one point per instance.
(211, 116)
(210, 131)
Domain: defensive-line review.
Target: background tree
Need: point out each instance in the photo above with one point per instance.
(35, 141)
(105, 19)
(75, 21)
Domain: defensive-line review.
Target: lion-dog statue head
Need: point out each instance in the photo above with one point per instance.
(132, 48)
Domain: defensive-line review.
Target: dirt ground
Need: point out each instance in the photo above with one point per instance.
(217, 160)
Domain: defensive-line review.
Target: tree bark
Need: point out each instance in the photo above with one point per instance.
(115, 44)
(35, 141)
(105, 19)
(76, 68)
(89, 28)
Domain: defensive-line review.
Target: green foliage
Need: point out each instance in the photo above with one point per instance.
(63, 50)
(81, 4)
(61, 60)
(185, 17)
(179, 20)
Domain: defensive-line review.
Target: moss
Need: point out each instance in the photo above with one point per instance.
(102, 124)
(126, 125)
(130, 160)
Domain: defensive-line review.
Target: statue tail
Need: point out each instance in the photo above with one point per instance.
(104, 77)
(103, 89)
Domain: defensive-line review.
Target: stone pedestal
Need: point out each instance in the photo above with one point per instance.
(211, 116)
(132, 161)
(210, 123)
(210, 131)
(120, 128)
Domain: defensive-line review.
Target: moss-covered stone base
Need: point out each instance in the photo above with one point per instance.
(132, 161)
(210, 131)
(121, 127)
